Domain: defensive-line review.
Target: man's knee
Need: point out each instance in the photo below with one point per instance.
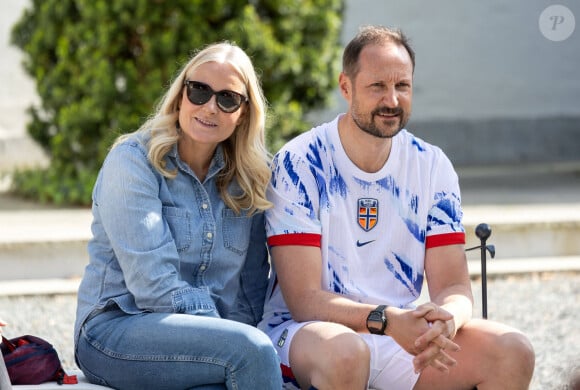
(518, 348)
(347, 360)
(499, 351)
(348, 351)
(327, 356)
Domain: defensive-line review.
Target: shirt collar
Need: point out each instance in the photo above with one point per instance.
(216, 165)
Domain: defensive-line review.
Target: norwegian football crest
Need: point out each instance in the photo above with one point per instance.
(368, 213)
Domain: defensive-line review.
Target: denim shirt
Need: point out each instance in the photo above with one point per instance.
(170, 245)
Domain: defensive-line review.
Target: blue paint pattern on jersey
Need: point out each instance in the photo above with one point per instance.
(413, 228)
(416, 279)
(405, 277)
(414, 203)
(365, 185)
(295, 178)
(337, 285)
(388, 183)
(314, 154)
(448, 208)
(321, 185)
(416, 143)
(337, 183)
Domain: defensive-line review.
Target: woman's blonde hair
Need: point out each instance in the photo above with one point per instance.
(245, 154)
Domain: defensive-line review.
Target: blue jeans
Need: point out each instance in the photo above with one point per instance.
(175, 351)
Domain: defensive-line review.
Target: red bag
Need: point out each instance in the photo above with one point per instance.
(31, 360)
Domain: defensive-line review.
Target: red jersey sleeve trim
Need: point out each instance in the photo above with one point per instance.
(307, 239)
(445, 239)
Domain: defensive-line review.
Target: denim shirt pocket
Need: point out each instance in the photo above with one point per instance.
(236, 229)
(179, 222)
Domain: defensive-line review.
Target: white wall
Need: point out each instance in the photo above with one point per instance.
(17, 90)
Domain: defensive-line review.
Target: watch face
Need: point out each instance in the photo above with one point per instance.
(375, 322)
(376, 326)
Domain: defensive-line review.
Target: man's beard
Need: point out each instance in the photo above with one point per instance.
(371, 128)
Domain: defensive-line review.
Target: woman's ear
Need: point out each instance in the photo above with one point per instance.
(245, 114)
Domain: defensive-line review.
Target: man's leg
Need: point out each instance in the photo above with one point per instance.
(492, 356)
(329, 356)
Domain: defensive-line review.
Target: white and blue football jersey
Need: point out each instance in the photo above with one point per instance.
(372, 228)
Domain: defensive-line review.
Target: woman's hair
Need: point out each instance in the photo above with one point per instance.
(372, 35)
(245, 154)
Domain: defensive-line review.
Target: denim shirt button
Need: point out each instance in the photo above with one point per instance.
(204, 206)
(209, 235)
(202, 268)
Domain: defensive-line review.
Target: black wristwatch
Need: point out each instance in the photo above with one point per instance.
(377, 320)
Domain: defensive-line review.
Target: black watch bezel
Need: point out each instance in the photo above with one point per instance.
(377, 315)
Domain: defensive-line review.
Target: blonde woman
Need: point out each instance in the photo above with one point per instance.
(178, 264)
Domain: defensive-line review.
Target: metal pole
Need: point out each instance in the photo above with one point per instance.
(483, 279)
(483, 231)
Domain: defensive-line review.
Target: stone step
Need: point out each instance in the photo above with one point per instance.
(526, 231)
(36, 244)
(49, 243)
(494, 267)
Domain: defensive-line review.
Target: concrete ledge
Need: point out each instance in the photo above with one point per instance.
(526, 230)
(54, 225)
(497, 267)
(40, 260)
(39, 286)
(44, 243)
(82, 385)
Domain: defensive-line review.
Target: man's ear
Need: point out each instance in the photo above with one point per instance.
(345, 85)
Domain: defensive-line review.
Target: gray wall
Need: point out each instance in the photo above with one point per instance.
(490, 88)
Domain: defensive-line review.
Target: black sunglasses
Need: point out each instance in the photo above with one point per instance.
(200, 93)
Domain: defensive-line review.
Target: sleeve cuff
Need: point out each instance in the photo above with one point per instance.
(305, 239)
(445, 239)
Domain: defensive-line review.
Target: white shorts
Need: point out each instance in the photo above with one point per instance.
(391, 366)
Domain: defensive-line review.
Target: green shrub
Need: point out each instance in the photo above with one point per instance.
(101, 65)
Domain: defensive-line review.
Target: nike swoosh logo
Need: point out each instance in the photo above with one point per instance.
(359, 244)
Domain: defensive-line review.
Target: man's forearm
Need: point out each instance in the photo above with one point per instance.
(325, 306)
(460, 305)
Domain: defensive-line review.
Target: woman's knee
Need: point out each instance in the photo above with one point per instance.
(258, 347)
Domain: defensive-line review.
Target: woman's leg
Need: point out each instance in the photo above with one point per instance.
(176, 351)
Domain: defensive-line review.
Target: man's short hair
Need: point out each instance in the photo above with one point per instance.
(369, 35)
